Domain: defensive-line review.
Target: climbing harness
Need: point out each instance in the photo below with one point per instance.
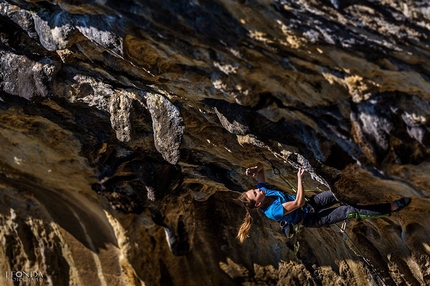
(290, 230)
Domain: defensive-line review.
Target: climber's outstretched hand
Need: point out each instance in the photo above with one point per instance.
(300, 173)
(256, 172)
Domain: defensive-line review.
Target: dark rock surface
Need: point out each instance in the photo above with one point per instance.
(126, 127)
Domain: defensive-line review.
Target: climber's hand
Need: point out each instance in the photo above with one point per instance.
(300, 173)
(254, 170)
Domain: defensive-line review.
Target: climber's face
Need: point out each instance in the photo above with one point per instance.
(257, 196)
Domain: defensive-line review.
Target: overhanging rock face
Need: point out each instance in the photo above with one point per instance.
(126, 128)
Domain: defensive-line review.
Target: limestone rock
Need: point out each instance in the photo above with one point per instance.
(168, 126)
(126, 128)
(25, 77)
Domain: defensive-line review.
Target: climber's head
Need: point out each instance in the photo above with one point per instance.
(253, 198)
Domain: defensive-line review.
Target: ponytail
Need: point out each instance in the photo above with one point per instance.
(247, 222)
(245, 227)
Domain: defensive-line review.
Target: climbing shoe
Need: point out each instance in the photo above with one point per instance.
(402, 203)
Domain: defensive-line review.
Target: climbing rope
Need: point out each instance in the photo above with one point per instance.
(297, 228)
(342, 228)
(278, 173)
(357, 251)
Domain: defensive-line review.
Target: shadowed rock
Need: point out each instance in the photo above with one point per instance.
(111, 109)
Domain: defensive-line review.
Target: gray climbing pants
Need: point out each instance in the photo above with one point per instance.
(324, 215)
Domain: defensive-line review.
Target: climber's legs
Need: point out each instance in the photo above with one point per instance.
(334, 215)
(322, 200)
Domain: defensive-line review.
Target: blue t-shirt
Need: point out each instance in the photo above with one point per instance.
(275, 210)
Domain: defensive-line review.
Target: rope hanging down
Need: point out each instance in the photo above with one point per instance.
(357, 251)
(342, 229)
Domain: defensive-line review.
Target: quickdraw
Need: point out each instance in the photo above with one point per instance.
(290, 231)
(278, 173)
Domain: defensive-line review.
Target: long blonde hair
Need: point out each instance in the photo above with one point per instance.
(247, 222)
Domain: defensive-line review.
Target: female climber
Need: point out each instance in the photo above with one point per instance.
(293, 210)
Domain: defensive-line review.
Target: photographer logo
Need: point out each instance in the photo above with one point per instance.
(24, 276)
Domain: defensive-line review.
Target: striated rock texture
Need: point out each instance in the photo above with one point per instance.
(126, 127)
